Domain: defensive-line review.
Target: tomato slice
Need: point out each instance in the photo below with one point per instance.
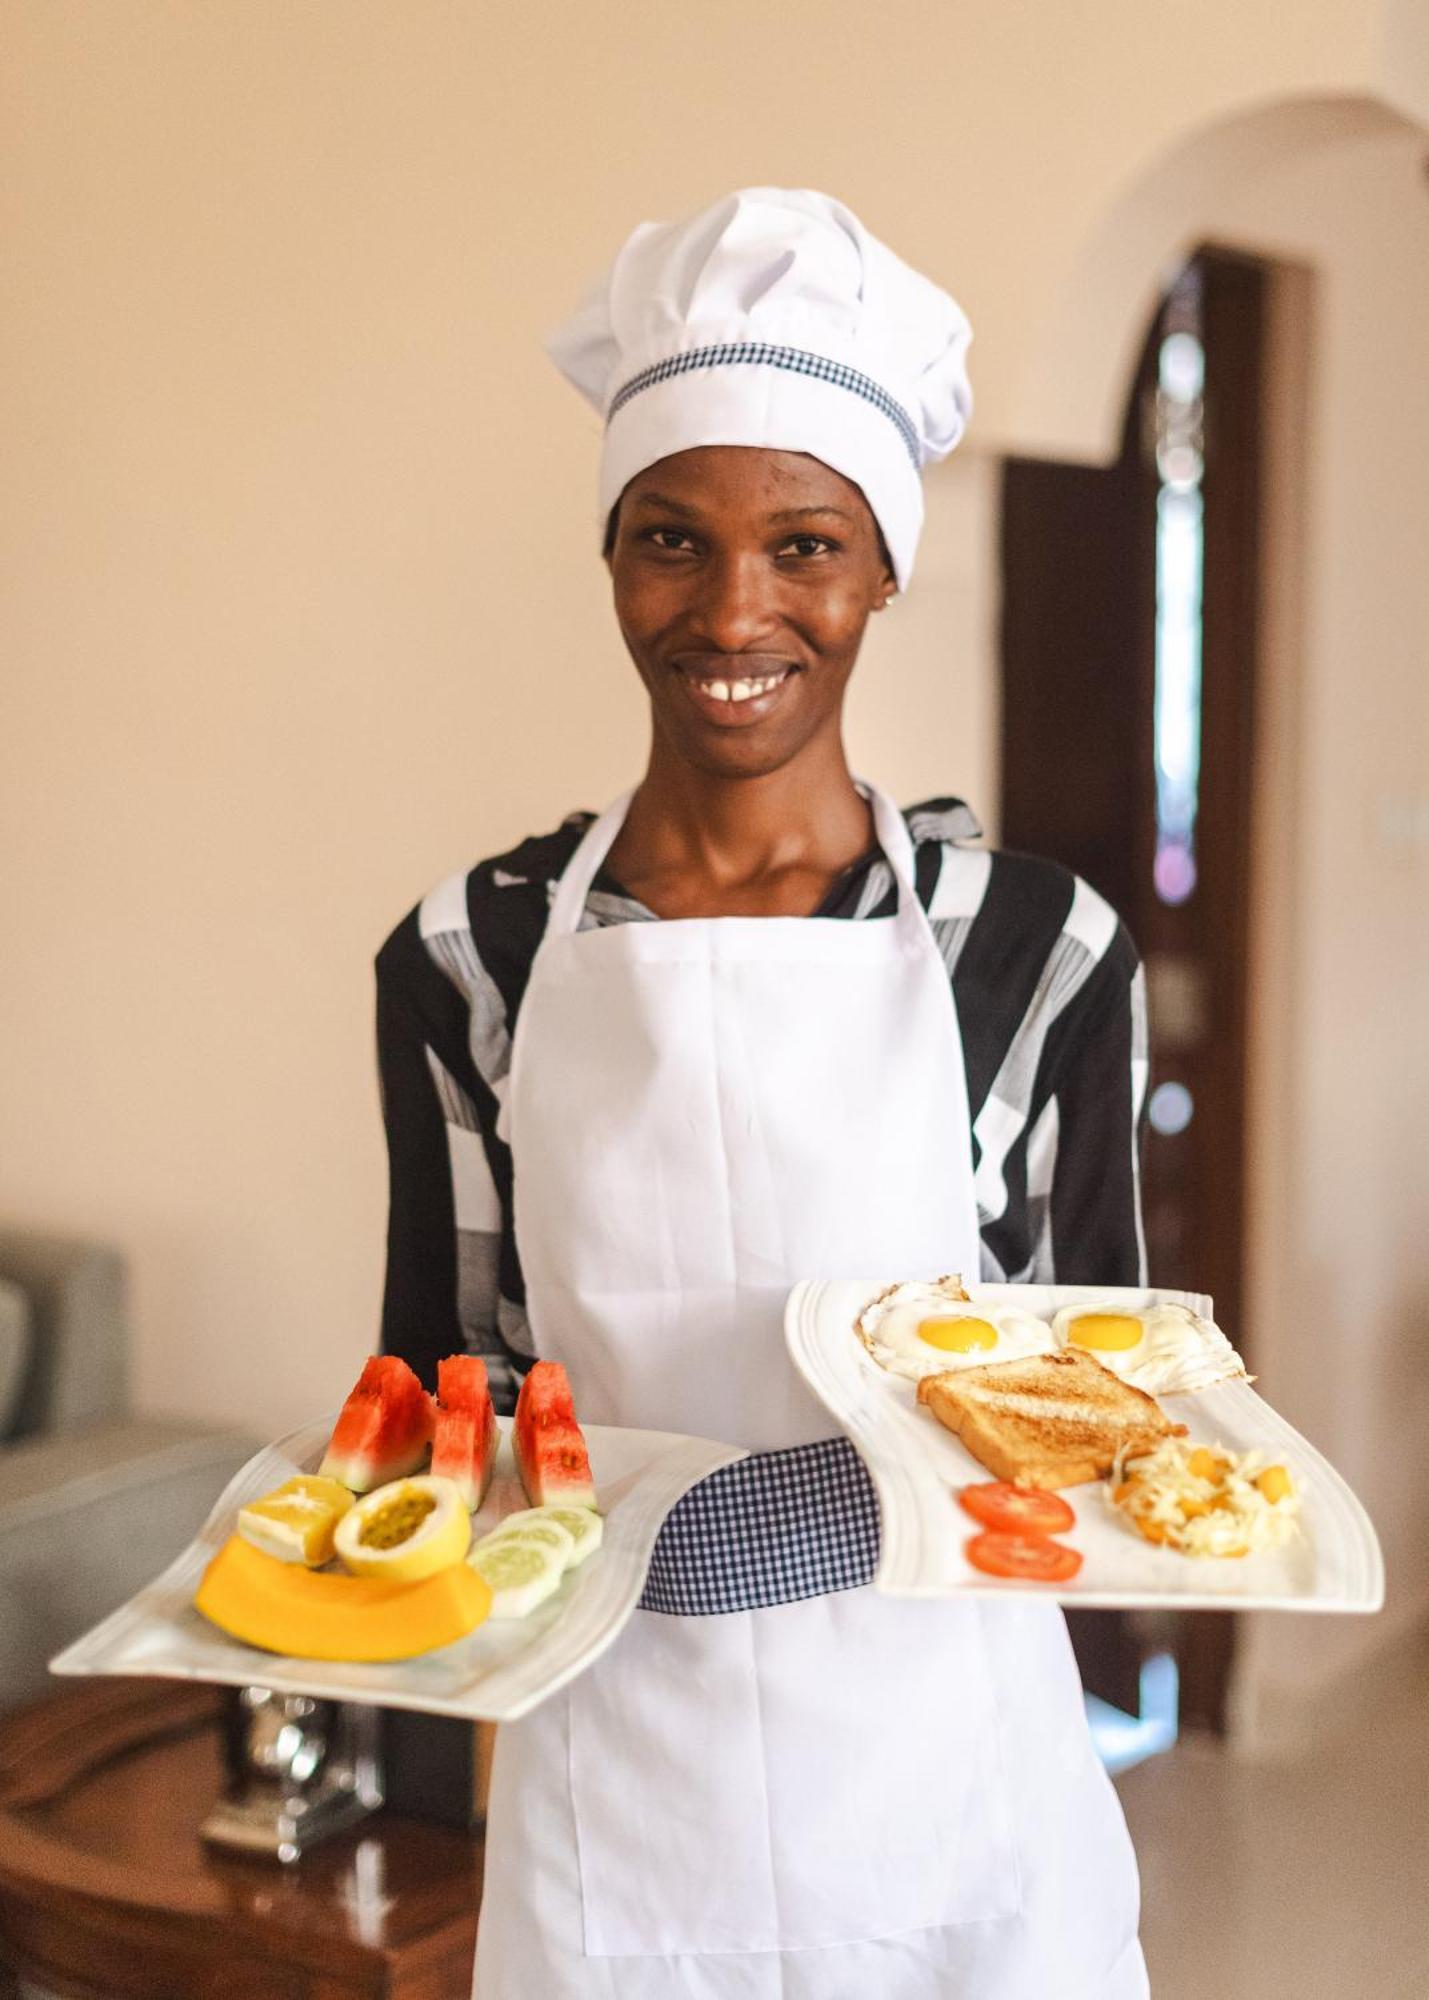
(1029, 1558)
(1019, 1510)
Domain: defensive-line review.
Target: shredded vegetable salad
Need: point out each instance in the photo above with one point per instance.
(1206, 1501)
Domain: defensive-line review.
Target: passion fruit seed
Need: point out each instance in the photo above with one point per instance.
(396, 1521)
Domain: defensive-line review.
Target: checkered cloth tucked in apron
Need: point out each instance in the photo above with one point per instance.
(773, 1527)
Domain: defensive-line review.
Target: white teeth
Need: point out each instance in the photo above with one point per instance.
(740, 690)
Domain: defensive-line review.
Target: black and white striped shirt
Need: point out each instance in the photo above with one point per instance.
(1050, 1002)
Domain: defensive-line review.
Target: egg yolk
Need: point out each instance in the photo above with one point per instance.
(957, 1335)
(1106, 1333)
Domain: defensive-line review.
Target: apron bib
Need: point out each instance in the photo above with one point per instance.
(701, 1112)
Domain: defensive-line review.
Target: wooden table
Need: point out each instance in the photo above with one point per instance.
(106, 1889)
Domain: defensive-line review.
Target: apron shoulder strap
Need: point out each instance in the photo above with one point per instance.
(893, 836)
(889, 826)
(583, 867)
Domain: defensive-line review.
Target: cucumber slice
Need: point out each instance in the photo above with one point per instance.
(522, 1570)
(540, 1529)
(582, 1524)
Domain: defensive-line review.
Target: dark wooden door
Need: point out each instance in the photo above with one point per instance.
(1128, 682)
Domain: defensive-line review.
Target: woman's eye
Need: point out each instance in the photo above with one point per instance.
(676, 541)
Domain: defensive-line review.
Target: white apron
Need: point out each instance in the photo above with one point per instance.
(845, 1795)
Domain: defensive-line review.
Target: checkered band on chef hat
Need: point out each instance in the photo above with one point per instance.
(774, 318)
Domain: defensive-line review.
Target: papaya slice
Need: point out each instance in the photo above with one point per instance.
(314, 1615)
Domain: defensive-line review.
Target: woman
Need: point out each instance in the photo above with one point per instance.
(636, 1084)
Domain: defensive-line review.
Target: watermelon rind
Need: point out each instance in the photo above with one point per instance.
(554, 1467)
(384, 1429)
(466, 1436)
(551, 1455)
(464, 1451)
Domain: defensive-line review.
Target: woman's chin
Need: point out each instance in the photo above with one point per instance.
(735, 753)
(742, 739)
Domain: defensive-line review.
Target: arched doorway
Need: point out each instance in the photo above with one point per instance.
(1324, 195)
(1129, 649)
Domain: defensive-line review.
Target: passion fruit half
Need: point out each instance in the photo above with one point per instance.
(405, 1530)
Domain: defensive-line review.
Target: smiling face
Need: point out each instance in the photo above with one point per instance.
(743, 581)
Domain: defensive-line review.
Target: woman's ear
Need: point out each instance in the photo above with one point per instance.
(887, 586)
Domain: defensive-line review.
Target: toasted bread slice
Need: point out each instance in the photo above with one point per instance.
(1051, 1420)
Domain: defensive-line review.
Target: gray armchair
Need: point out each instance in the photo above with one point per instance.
(94, 1500)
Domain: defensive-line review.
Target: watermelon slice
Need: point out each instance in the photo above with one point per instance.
(466, 1436)
(384, 1430)
(551, 1454)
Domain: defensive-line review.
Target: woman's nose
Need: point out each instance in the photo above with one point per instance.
(735, 603)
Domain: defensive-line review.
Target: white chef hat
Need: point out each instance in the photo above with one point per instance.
(773, 318)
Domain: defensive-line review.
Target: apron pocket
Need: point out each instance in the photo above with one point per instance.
(816, 1773)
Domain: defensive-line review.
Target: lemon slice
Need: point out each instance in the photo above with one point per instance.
(405, 1530)
(296, 1521)
(582, 1524)
(522, 1570)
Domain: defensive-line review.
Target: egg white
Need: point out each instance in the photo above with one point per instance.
(889, 1328)
(1178, 1349)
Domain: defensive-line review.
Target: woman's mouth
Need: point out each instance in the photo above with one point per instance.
(730, 700)
(740, 690)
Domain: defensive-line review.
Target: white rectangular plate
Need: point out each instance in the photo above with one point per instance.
(917, 1466)
(500, 1671)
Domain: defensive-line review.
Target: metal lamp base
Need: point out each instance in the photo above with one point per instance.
(298, 1772)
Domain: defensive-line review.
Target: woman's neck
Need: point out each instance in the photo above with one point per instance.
(695, 844)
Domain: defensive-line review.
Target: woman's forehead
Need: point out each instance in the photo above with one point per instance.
(745, 478)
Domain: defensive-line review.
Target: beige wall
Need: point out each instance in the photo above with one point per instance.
(302, 608)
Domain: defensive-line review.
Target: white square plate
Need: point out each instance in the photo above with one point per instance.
(498, 1672)
(917, 1466)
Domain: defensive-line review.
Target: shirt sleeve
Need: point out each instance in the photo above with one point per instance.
(1095, 1230)
(441, 1293)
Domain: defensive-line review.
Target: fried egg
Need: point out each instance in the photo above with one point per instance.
(1158, 1348)
(919, 1329)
